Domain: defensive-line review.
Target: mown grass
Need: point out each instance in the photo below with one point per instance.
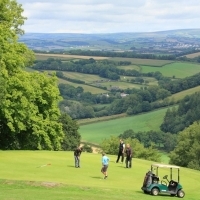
(96, 132)
(177, 69)
(23, 178)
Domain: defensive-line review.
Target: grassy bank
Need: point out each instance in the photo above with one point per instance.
(25, 175)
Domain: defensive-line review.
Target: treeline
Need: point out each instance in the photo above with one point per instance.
(175, 86)
(187, 112)
(104, 68)
(62, 76)
(187, 151)
(136, 102)
(111, 146)
(162, 141)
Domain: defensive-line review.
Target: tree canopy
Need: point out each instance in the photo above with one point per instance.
(29, 113)
(187, 150)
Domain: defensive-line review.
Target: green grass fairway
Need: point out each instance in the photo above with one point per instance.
(96, 132)
(23, 178)
(178, 69)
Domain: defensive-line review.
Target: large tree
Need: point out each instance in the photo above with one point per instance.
(187, 151)
(29, 114)
(72, 137)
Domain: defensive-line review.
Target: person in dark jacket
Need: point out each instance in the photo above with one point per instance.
(129, 154)
(121, 151)
(77, 154)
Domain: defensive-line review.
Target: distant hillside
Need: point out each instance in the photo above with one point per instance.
(109, 41)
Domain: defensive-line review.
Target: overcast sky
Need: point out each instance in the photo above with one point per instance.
(109, 16)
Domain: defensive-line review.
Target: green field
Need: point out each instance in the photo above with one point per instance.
(96, 132)
(42, 56)
(120, 85)
(134, 61)
(148, 62)
(135, 67)
(25, 175)
(193, 55)
(87, 88)
(88, 78)
(181, 95)
(178, 69)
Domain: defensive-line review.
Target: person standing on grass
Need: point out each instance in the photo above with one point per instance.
(77, 154)
(129, 153)
(105, 162)
(121, 151)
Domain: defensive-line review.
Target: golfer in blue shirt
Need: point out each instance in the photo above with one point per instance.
(105, 161)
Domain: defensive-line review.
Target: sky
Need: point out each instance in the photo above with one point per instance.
(109, 16)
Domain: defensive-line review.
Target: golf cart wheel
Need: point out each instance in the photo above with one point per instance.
(181, 193)
(155, 191)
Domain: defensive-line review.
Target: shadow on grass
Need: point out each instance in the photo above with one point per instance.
(97, 177)
(122, 166)
(70, 166)
(162, 195)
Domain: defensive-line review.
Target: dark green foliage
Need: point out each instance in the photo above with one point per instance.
(187, 150)
(162, 141)
(111, 146)
(62, 76)
(72, 137)
(188, 110)
(125, 54)
(87, 148)
(175, 86)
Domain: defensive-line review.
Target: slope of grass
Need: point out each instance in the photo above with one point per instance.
(88, 78)
(96, 132)
(87, 88)
(180, 95)
(177, 69)
(193, 55)
(131, 67)
(24, 177)
(138, 61)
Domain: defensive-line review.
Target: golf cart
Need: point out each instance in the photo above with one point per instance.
(153, 185)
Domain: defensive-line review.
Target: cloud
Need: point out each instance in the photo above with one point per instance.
(106, 16)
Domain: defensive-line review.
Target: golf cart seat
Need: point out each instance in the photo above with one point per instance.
(172, 185)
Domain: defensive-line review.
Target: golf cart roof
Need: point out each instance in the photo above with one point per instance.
(165, 166)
